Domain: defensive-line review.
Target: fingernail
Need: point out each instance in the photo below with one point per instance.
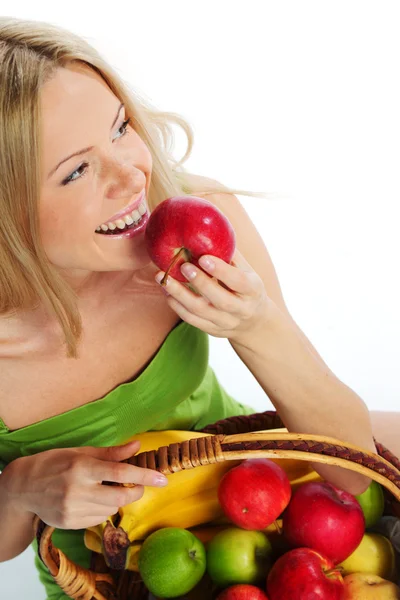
(207, 263)
(160, 480)
(158, 279)
(135, 443)
(189, 271)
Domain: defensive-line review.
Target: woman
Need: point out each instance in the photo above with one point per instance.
(79, 155)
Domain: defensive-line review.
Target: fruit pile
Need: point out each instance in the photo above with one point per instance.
(250, 529)
(275, 544)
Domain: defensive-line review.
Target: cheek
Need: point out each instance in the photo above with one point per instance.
(50, 225)
(61, 227)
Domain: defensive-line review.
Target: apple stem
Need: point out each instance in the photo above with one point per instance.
(334, 571)
(163, 281)
(278, 527)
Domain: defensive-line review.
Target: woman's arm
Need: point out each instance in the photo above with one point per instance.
(306, 393)
(308, 396)
(63, 486)
(16, 525)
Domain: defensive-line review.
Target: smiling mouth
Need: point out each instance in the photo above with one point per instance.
(128, 221)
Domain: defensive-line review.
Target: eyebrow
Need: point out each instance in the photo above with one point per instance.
(84, 150)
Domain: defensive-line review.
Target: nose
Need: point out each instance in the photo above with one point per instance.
(124, 179)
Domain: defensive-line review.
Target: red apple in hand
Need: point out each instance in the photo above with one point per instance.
(254, 494)
(324, 517)
(242, 591)
(304, 574)
(183, 228)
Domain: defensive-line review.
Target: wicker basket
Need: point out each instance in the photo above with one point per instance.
(231, 439)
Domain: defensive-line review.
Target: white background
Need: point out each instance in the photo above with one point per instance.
(298, 98)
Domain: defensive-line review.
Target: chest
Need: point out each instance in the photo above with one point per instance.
(116, 346)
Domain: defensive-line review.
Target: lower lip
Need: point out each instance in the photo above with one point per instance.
(130, 233)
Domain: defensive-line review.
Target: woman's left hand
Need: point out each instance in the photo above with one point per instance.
(231, 300)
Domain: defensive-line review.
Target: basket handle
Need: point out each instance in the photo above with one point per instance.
(276, 444)
(271, 420)
(85, 584)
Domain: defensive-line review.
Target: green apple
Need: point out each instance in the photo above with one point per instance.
(372, 503)
(171, 562)
(238, 555)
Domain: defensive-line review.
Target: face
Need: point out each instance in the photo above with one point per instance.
(86, 213)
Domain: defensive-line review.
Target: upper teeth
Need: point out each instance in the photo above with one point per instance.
(126, 220)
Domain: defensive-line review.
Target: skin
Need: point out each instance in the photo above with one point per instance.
(78, 109)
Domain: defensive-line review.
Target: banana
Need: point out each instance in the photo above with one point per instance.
(92, 541)
(190, 499)
(93, 536)
(191, 511)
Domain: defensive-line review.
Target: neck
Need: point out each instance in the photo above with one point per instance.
(87, 283)
(93, 289)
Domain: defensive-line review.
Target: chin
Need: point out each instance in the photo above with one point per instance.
(128, 265)
(125, 257)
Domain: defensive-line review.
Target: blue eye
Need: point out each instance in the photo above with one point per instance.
(71, 177)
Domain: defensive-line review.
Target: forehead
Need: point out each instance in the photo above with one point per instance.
(74, 101)
(72, 88)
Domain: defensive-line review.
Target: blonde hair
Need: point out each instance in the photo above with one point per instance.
(30, 54)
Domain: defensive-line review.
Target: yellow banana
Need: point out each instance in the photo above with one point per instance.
(190, 499)
(177, 514)
(92, 541)
(188, 512)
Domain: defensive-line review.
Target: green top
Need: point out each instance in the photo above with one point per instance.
(177, 390)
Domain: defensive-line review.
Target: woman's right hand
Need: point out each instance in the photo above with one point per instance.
(64, 486)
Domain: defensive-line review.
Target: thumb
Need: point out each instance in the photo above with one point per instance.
(113, 453)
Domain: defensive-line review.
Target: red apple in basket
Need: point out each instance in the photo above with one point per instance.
(254, 494)
(242, 591)
(304, 574)
(324, 517)
(183, 228)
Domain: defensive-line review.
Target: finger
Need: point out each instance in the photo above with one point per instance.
(201, 304)
(213, 323)
(240, 280)
(91, 521)
(103, 498)
(207, 297)
(221, 298)
(119, 472)
(83, 522)
(112, 453)
(239, 261)
(116, 496)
